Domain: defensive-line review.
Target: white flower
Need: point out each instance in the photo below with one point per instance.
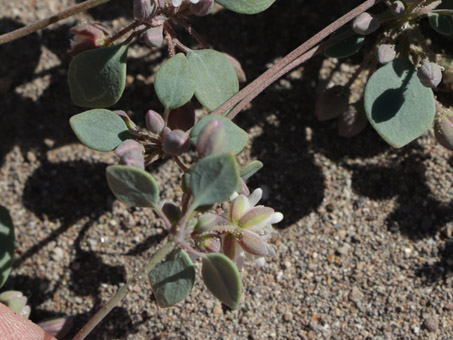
(249, 228)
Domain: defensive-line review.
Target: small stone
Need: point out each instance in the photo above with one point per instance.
(57, 253)
(343, 250)
(431, 323)
(288, 316)
(355, 295)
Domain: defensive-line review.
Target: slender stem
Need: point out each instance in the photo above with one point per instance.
(298, 52)
(124, 290)
(38, 25)
(123, 31)
(180, 164)
(182, 21)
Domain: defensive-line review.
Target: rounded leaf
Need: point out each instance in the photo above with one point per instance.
(133, 186)
(397, 105)
(346, 47)
(222, 278)
(213, 179)
(236, 138)
(6, 244)
(441, 23)
(174, 82)
(246, 6)
(97, 78)
(99, 129)
(215, 78)
(173, 279)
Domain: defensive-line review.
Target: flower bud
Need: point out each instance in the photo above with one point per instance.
(238, 68)
(206, 222)
(443, 131)
(154, 122)
(87, 37)
(365, 24)
(397, 8)
(209, 243)
(124, 116)
(172, 211)
(202, 7)
(144, 10)
(175, 142)
(386, 53)
(153, 37)
(211, 139)
(332, 103)
(58, 327)
(16, 301)
(130, 153)
(429, 74)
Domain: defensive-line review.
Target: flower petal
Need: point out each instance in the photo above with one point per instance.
(255, 196)
(256, 218)
(253, 244)
(238, 207)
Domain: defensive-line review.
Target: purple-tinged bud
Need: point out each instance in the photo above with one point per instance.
(154, 122)
(172, 211)
(153, 37)
(429, 74)
(202, 7)
(124, 116)
(365, 24)
(386, 53)
(58, 327)
(131, 153)
(209, 244)
(175, 142)
(397, 8)
(211, 139)
(252, 243)
(16, 301)
(351, 122)
(144, 10)
(207, 222)
(332, 103)
(443, 131)
(238, 68)
(87, 37)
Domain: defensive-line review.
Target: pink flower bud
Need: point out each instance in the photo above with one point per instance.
(202, 7)
(207, 222)
(144, 10)
(365, 24)
(209, 244)
(238, 68)
(443, 131)
(153, 37)
(175, 142)
(154, 122)
(430, 74)
(87, 37)
(124, 116)
(211, 139)
(130, 153)
(386, 53)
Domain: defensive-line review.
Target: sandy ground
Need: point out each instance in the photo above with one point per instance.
(364, 252)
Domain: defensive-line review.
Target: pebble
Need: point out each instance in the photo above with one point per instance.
(431, 323)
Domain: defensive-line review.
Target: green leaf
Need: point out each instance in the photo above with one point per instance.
(346, 47)
(133, 186)
(250, 169)
(213, 179)
(174, 83)
(441, 24)
(222, 278)
(99, 129)
(97, 77)
(173, 279)
(246, 6)
(215, 77)
(236, 138)
(6, 244)
(397, 105)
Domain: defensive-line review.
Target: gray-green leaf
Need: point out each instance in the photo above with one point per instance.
(250, 169)
(236, 138)
(97, 78)
(6, 244)
(133, 186)
(173, 279)
(222, 278)
(397, 105)
(246, 6)
(213, 179)
(174, 83)
(99, 129)
(215, 78)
